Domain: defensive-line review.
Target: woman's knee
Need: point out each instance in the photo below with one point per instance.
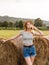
(28, 60)
(32, 59)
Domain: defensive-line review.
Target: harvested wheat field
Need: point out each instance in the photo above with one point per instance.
(11, 52)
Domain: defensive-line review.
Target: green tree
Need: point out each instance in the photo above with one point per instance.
(16, 24)
(5, 24)
(11, 24)
(38, 22)
(0, 24)
(21, 24)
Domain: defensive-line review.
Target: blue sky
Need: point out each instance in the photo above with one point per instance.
(25, 8)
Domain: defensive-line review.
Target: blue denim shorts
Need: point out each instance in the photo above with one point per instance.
(29, 51)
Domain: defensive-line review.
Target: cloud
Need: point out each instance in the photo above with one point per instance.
(25, 8)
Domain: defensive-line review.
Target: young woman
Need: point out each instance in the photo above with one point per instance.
(29, 50)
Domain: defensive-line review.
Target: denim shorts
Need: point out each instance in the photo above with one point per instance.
(29, 51)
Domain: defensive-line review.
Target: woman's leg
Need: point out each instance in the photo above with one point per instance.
(32, 54)
(32, 59)
(28, 60)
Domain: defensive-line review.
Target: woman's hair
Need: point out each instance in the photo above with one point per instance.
(25, 24)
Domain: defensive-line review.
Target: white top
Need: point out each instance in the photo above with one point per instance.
(27, 37)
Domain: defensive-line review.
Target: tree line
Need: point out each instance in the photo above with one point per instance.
(19, 24)
(12, 24)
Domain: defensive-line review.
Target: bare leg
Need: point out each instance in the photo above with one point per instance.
(28, 60)
(32, 59)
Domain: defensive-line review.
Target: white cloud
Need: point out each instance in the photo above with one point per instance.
(25, 8)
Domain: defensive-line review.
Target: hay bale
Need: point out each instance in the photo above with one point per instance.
(48, 50)
(11, 52)
(42, 50)
(8, 54)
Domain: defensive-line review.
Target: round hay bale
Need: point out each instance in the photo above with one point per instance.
(8, 53)
(48, 50)
(42, 50)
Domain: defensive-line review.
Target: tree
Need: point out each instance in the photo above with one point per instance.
(10, 24)
(16, 24)
(38, 22)
(0, 24)
(5, 24)
(20, 24)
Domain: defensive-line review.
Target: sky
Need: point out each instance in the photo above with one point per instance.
(25, 8)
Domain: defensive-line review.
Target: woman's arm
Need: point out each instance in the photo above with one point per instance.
(39, 31)
(15, 37)
(12, 38)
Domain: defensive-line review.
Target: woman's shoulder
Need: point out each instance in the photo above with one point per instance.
(22, 31)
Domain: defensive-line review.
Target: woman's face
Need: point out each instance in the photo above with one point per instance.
(28, 25)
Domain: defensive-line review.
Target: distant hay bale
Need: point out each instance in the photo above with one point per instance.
(11, 52)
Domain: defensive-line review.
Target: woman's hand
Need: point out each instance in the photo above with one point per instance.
(3, 40)
(39, 31)
(32, 27)
(6, 40)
